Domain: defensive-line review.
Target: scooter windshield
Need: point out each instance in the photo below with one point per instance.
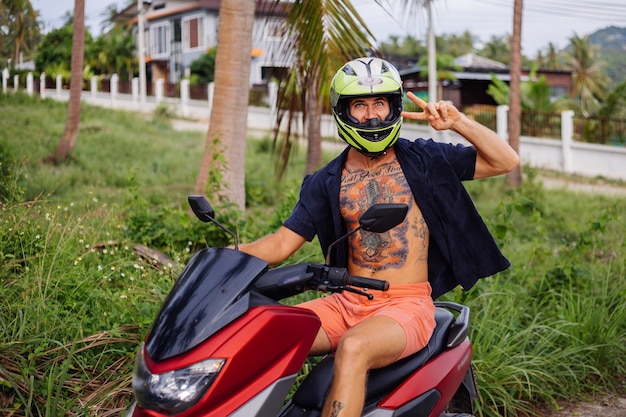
(212, 291)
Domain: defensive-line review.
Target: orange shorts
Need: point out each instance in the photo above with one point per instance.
(410, 305)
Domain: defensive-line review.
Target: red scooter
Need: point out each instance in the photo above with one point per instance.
(222, 345)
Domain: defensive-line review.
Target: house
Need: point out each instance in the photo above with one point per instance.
(474, 76)
(177, 32)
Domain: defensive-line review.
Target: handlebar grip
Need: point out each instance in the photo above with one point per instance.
(371, 283)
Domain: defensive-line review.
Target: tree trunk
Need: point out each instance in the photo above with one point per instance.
(228, 125)
(314, 123)
(67, 144)
(514, 178)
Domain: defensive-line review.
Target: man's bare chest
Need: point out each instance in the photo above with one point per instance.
(363, 187)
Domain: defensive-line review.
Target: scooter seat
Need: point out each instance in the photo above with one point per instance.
(312, 392)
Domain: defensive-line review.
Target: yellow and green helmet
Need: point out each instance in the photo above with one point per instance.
(367, 77)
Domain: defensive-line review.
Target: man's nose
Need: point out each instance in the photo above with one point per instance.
(371, 112)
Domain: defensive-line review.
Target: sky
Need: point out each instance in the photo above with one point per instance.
(543, 22)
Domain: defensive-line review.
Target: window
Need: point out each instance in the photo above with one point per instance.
(557, 91)
(193, 33)
(178, 35)
(160, 44)
(274, 30)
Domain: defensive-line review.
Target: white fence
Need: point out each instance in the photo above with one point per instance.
(564, 155)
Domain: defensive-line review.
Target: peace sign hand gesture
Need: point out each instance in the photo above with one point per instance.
(441, 115)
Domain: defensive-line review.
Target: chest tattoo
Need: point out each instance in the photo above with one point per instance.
(360, 189)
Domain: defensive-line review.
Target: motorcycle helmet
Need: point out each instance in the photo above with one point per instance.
(367, 77)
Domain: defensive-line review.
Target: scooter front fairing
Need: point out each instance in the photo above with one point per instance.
(214, 345)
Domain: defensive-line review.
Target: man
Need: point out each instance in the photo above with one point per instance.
(442, 242)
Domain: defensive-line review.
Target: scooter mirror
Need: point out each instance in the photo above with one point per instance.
(382, 217)
(201, 208)
(203, 211)
(377, 219)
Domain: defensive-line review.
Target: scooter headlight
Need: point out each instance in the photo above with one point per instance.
(175, 391)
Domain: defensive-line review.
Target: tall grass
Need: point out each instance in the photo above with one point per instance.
(79, 288)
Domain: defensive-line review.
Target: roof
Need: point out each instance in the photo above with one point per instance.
(474, 61)
(270, 7)
(470, 63)
(129, 14)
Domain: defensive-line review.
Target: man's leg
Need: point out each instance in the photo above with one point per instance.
(321, 344)
(373, 343)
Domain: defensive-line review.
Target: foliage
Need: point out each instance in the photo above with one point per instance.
(455, 45)
(19, 29)
(409, 47)
(56, 48)
(10, 174)
(203, 68)
(535, 94)
(409, 50)
(589, 83)
(113, 53)
(497, 48)
(615, 103)
(610, 44)
(559, 299)
(445, 67)
(163, 112)
(60, 68)
(614, 64)
(588, 91)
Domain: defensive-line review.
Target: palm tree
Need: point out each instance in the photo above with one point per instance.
(114, 52)
(498, 48)
(67, 144)
(514, 178)
(613, 107)
(227, 126)
(445, 70)
(412, 46)
(108, 17)
(392, 44)
(20, 20)
(455, 45)
(590, 84)
(552, 58)
(322, 35)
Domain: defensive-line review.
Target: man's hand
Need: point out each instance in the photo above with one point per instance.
(441, 115)
(494, 156)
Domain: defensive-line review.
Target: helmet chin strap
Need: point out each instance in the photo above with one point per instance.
(378, 155)
(371, 155)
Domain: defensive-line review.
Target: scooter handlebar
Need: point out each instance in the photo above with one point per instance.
(340, 277)
(371, 283)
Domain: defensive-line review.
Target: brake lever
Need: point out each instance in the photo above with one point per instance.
(340, 288)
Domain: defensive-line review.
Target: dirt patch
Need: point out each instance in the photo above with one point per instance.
(602, 407)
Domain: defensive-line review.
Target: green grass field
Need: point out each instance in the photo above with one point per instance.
(76, 297)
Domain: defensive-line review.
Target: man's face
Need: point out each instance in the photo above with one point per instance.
(367, 108)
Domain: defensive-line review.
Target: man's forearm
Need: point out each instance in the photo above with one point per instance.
(494, 155)
(274, 248)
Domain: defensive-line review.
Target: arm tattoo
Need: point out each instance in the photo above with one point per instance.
(337, 406)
